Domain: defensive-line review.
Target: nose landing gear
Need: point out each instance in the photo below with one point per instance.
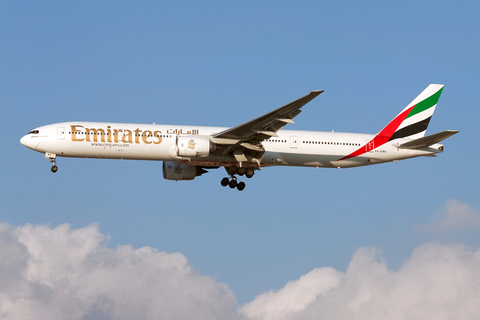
(52, 157)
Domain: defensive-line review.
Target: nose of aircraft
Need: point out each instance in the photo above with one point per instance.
(27, 141)
(23, 140)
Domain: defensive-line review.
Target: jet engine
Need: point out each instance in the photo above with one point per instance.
(192, 146)
(177, 171)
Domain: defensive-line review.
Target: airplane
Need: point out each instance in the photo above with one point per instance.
(189, 151)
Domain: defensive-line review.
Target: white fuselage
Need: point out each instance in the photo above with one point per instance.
(157, 142)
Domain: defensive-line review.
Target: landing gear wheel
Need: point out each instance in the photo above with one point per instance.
(241, 186)
(249, 173)
(225, 182)
(241, 171)
(232, 184)
(54, 168)
(233, 170)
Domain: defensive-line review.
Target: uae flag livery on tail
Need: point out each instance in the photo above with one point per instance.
(418, 114)
(411, 123)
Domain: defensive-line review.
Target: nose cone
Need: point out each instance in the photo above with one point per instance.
(27, 141)
(24, 140)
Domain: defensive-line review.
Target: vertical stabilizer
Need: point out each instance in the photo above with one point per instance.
(413, 121)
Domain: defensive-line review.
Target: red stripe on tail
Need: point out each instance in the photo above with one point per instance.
(383, 136)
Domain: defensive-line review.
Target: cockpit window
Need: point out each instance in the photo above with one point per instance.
(34, 132)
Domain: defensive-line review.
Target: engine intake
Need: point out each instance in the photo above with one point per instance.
(193, 146)
(177, 171)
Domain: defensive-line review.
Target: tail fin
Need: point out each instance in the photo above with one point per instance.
(413, 121)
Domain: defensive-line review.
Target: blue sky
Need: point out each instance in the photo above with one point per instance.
(222, 63)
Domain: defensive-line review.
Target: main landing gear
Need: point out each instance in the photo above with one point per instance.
(232, 181)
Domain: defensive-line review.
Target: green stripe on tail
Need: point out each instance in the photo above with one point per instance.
(425, 104)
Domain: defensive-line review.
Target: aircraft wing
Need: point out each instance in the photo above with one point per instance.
(267, 125)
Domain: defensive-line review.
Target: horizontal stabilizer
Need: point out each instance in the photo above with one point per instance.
(427, 141)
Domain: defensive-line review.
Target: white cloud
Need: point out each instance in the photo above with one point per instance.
(437, 282)
(455, 216)
(60, 273)
(63, 273)
(294, 298)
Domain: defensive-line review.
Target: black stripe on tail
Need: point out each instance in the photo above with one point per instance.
(411, 129)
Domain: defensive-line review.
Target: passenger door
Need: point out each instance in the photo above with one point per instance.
(61, 133)
(369, 146)
(293, 142)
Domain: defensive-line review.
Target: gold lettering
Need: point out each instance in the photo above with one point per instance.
(74, 131)
(115, 133)
(146, 134)
(158, 135)
(109, 134)
(127, 138)
(95, 133)
(147, 137)
(137, 135)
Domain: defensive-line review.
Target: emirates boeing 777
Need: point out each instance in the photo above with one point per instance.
(189, 151)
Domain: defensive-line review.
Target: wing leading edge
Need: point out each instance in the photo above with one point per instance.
(269, 124)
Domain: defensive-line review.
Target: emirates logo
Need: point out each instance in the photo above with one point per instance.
(178, 169)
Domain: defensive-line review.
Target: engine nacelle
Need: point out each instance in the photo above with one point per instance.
(192, 146)
(177, 171)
